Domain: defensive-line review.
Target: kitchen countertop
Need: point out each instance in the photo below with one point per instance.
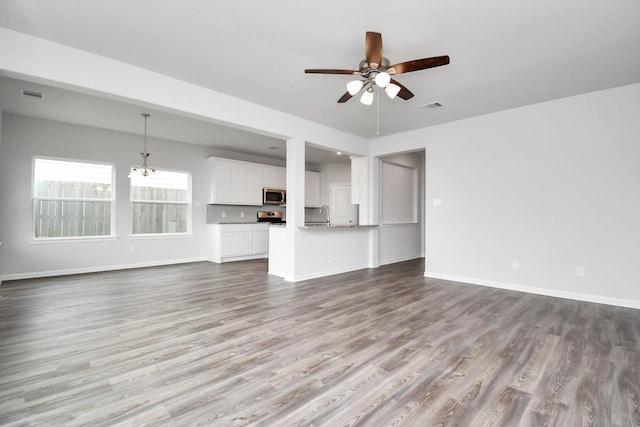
(331, 227)
(235, 223)
(323, 226)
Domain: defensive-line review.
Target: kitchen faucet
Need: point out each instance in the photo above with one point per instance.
(327, 208)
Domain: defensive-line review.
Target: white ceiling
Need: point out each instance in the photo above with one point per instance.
(504, 54)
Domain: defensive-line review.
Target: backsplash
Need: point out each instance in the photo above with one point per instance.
(314, 215)
(234, 213)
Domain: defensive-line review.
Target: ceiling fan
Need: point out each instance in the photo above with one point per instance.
(375, 70)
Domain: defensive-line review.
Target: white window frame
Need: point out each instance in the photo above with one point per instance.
(111, 200)
(188, 203)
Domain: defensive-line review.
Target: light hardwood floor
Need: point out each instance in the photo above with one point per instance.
(228, 345)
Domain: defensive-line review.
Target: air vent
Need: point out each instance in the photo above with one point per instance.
(430, 106)
(31, 93)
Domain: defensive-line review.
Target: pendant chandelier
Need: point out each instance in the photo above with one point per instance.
(143, 170)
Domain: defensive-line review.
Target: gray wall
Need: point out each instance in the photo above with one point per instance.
(554, 186)
(24, 137)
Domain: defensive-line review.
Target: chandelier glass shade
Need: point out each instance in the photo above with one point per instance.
(144, 169)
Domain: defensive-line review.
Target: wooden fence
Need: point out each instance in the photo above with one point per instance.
(74, 216)
(73, 209)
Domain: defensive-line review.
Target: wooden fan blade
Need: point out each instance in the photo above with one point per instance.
(418, 64)
(373, 49)
(404, 92)
(344, 98)
(331, 71)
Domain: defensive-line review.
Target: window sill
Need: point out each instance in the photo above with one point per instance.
(160, 236)
(50, 240)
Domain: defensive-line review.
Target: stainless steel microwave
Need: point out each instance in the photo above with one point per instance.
(274, 196)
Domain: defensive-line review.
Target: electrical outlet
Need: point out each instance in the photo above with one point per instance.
(515, 265)
(224, 215)
(437, 202)
(580, 271)
(132, 249)
(241, 214)
(330, 253)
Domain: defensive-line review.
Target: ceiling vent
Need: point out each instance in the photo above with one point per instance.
(31, 93)
(430, 106)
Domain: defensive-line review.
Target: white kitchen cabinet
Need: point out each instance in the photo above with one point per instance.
(235, 242)
(219, 180)
(261, 239)
(274, 177)
(233, 182)
(255, 178)
(239, 180)
(311, 189)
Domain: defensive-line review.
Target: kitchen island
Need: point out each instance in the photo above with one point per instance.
(319, 250)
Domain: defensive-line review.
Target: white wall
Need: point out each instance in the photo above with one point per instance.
(332, 173)
(554, 186)
(24, 137)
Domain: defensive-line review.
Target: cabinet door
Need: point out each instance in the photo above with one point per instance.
(220, 173)
(254, 184)
(239, 183)
(341, 209)
(236, 243)
(275, 177)
(261, 241)
(311, 189)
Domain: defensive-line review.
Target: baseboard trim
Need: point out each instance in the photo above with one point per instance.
(300, 278)
(577, 296)
(67, 272)
(401, 259)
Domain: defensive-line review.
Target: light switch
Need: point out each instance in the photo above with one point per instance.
(437, 202)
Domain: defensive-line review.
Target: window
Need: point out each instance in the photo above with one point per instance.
(72, 199)
(161, 203)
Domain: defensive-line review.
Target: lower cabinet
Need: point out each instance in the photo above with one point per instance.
(235, 242)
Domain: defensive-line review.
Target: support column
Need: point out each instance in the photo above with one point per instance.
(295, 200)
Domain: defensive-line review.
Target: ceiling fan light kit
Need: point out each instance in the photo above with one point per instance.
(354, 86)
(382, 79)
(367, 96)
(392, 90)
(376, 70)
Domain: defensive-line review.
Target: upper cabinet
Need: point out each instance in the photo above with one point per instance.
(233, 182)
(220, 179)
(274, 177)
(255, 183)
(311, 189)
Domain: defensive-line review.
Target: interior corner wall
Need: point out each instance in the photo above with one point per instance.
(554, 186)
(24, 137)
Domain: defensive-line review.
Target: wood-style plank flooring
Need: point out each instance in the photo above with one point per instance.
(228, 345)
